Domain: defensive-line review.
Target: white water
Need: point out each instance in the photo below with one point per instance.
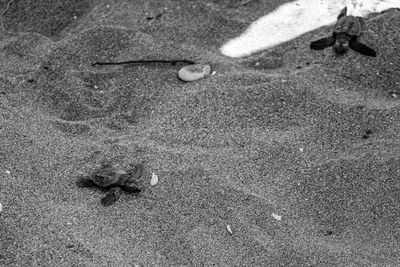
(295, 18)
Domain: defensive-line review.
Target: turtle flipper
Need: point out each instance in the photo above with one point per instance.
(323, 43)
(137, 171)
(85, 181)
(342, 13)
(362, 48)
(111, 196)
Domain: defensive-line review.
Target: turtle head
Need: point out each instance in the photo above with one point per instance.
(342, 43)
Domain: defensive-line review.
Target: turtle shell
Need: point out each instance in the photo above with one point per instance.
(351, 25)
(109, 175)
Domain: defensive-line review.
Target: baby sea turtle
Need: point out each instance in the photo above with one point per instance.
(114, 179)
(345, 34)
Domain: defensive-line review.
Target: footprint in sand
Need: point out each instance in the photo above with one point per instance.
(71, 127)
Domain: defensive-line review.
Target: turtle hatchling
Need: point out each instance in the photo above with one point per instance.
(345, 34)
(114, 179)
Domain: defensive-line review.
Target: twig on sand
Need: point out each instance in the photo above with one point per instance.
(170, 61)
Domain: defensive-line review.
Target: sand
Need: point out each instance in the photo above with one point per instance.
(296, 150)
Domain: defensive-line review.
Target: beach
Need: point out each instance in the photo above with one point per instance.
(285, 157)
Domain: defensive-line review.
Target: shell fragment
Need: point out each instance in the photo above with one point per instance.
(228, 227)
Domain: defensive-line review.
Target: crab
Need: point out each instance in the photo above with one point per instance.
(345, 34)
(114, 179)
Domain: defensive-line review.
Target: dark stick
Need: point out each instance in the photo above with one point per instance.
(172, 61)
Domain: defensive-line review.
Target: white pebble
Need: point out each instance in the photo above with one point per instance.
(154, 179)
(194, 72)
(1, 208)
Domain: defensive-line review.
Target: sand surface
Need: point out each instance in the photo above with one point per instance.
(296, 150)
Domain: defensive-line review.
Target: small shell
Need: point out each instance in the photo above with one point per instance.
(276, 216)
(194, 72)
(154, 179)
(1, 208)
